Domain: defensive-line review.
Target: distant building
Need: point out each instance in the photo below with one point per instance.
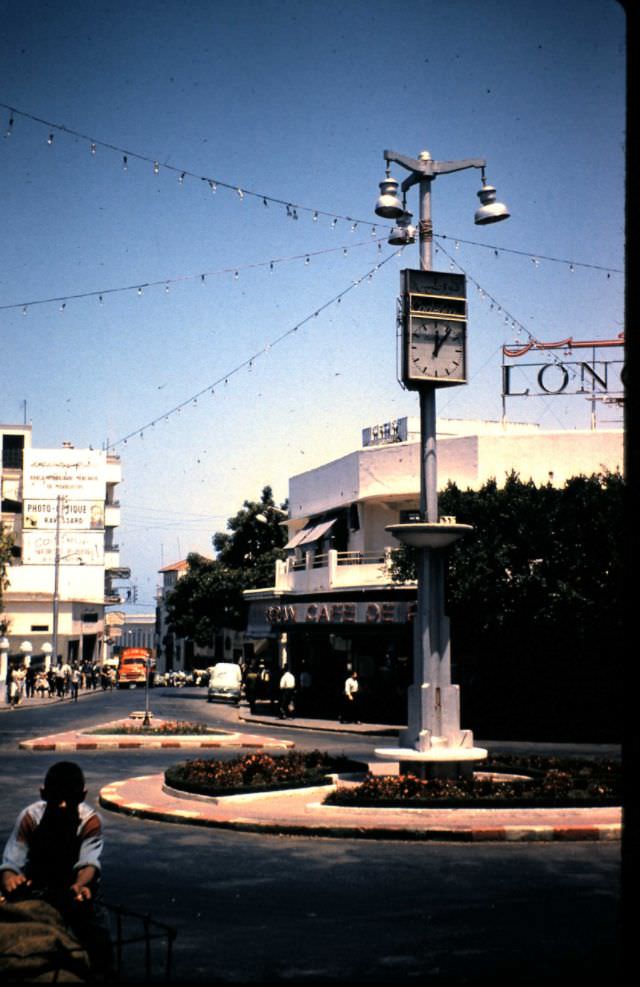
(61, 507)
(179, 654)
(333, 605)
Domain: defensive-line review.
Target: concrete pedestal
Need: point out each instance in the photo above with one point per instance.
(437, 762)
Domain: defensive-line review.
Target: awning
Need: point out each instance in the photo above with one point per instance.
(297, 538)
(318, 530)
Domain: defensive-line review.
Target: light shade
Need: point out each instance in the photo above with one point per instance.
(388, 204)
(490, 211)
(403, 232)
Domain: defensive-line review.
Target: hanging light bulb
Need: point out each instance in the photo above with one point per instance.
(50, 139)
(63, 306)
(125, 162)
(166, 288)
(24, 309)
(373, 231)
(271, 267)
(9, 130)
(264, 202)
(203, 278)
(181, 179)
(139, 291)
(213, 186)
(101, 299)
(354, 227)
(236, 276)
(240, 193)
(307, 261)
(156, 168)
(334, 223)
(93, 148)
(315, 217)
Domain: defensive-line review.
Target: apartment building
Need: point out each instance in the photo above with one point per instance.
(61, 509)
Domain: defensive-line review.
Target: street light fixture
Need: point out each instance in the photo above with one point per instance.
(433, 742)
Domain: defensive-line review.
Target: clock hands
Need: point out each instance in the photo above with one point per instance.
(439, 340)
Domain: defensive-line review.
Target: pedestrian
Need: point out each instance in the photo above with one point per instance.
(251, 683)
(30, 682)
(350, 699)
(66, 671)
(287, 688)
(54, 853)
(42, 684)
(59, 680)
(75, 682)
(304, 691)
(14, 688)
(51, 681)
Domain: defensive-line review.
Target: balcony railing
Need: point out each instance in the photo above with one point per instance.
(333, 570)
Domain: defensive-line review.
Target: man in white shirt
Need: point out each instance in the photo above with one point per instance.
(350, 700)
(287, 686)
(54, 852)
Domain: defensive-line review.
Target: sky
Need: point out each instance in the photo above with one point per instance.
(192, 271)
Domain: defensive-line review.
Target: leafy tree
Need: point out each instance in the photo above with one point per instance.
(209, 596)
(535, 599)
(6, 545)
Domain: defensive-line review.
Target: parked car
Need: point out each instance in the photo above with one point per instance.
(225, 683)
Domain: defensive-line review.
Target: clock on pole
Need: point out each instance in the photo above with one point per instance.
(434, 336)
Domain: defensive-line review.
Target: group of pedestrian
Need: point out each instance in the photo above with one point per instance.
(60, 681)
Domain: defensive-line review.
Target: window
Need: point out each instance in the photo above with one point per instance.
(39, 627)
(12, 450)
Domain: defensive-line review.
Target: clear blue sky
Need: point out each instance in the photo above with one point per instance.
(295, 100)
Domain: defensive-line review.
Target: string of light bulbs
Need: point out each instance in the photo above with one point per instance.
(292, 210)
(249, 361)
(533, 257)
(166, 283)
(508, 318)
(93, 143)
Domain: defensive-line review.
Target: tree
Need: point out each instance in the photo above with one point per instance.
(210, 595)
(6, 546)
(535, 599)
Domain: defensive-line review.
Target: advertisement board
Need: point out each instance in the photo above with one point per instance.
(86, 515)
(79, 474)
(76, 547)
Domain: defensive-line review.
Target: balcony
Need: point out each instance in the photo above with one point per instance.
(332, 571)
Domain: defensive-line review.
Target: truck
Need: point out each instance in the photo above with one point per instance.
(132, 667)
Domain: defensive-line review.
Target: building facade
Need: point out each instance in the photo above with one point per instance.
(334, 606)
(61, 509)
(180, 654)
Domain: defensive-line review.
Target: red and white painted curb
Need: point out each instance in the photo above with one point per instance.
(78, 740)
(298, 812)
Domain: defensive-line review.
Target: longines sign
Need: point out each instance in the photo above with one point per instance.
(326, 612)
(573, 376)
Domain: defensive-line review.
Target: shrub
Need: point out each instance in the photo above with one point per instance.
(551, 782)
(256, 772)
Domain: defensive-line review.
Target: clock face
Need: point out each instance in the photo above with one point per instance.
(434, 352)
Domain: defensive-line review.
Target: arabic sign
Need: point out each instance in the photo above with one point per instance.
(76, 473)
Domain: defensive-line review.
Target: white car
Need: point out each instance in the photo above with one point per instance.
(225, 683)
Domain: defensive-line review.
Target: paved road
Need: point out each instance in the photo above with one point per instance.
(259, 909)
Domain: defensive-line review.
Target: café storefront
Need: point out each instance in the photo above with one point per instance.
(328, 635)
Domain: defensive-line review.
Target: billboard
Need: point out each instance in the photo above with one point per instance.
(76, 547)
(79, 474)
(85, 515)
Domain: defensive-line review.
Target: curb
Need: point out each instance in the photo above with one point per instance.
(215, 814)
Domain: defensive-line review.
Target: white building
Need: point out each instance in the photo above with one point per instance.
(333, 604)
(61, 508)
(179, 654)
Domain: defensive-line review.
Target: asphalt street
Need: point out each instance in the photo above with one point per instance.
(263, 909)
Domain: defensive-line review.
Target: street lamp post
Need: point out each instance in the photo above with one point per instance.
(433, 743)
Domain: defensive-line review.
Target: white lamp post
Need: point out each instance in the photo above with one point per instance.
(433, 742)
(26, 648)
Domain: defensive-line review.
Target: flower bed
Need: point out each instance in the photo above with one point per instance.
(256, 772)
(165, 728)
(551, 782)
